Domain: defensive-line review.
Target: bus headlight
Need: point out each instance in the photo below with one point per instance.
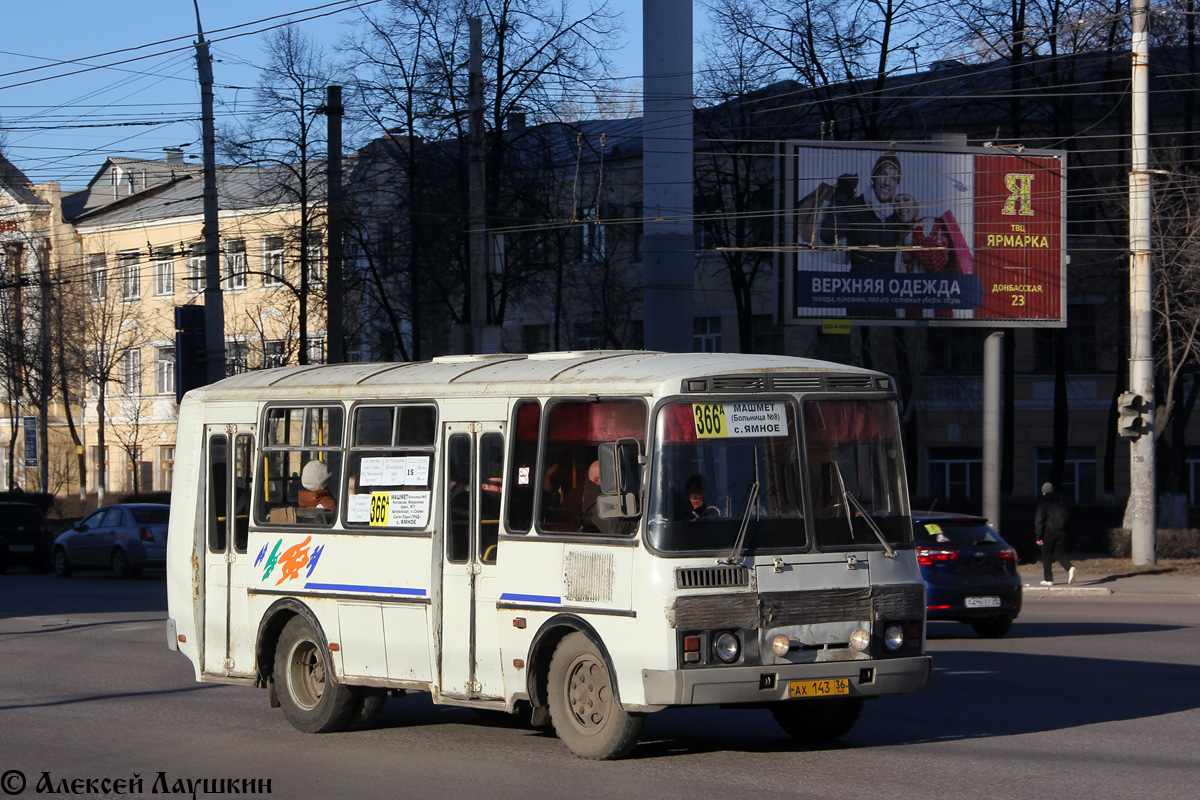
(781, 645)
(860, 640)
(726, 647)
(893, 636)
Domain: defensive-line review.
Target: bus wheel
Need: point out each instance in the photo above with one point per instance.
(311, 699)
(583, 706)
(368, 708)
(817, 720)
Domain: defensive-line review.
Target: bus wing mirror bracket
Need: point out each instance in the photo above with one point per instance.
(620, 479)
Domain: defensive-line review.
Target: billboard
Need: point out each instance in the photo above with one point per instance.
(921, 235)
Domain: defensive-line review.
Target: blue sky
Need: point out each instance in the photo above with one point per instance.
(64, 119)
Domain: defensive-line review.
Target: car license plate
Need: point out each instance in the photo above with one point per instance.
(20, 548)
(983, 602)
(825, 688)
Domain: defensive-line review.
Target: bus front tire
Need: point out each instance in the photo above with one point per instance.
(584, 708)
(312, 700)
(816, 721)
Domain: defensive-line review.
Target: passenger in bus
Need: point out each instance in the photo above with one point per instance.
(552, 491)
(315, 480)
(578, 509)
(697, 508)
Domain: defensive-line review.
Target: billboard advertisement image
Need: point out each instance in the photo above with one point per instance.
(920, 234)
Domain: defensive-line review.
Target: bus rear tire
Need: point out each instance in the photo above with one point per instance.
(584, 707)
(312, 700)
(816, 721)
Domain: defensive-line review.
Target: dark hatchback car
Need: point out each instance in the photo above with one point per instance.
(25, 537)
(970, 572)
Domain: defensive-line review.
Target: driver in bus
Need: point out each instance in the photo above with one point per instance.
(697, 508)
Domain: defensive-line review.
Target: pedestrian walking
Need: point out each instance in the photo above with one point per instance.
(1050, 525)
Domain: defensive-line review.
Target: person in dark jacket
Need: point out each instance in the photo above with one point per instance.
(1050, 525)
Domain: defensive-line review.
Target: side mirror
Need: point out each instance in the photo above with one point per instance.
(81, 527)
(620, 479)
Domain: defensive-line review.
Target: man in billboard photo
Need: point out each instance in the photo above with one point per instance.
(871, 227)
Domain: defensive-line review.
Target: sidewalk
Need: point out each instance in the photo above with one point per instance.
(1096, 586)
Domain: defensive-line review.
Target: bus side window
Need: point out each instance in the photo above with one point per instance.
(243, 468)
(491, 461)
(458, 498)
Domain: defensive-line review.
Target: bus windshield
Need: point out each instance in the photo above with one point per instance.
(722, 467)
(855, 474)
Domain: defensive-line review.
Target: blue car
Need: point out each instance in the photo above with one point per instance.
(970, 572)
(123, 538)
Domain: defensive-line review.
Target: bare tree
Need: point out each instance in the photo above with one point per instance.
(286, 133)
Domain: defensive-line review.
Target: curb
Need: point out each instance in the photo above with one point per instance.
(1038, 590)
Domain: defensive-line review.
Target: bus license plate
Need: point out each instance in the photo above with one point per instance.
(983, 602)
(825, 688)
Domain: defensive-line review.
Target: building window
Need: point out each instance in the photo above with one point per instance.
(1079, 347)
(166, 467)
(195, 268)
(955, 473)
(236, 357)
(589, 336)
(131, 372)
(316, 350)
(536, 338)
(97, 278)
(955, 351)
(272, 259)
(274, 354)
(316, 262)
(1078, 483)
(706, 335)
(591, 237)
(636, 232)
(768, 337)
(99, 465)
(164, 271)
(235, 264)
(164, 370)
(129, 274)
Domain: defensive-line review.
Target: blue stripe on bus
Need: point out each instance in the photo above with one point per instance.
(531, 598)
(350, 587)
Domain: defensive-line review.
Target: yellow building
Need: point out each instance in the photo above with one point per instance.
(129, 252)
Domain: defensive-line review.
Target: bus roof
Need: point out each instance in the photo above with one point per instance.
(606, 372)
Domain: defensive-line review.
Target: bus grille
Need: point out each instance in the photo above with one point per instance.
(810, 607)
(711, 577)
(849, 381)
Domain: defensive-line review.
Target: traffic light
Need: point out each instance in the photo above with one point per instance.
(1131, 415)
(190, 369)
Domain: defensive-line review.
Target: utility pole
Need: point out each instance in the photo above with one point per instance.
(668, 262)
(335, 329)
(214, 299)
(476, 177)
(1140, 515)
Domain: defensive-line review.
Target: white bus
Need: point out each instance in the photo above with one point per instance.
(582, 537)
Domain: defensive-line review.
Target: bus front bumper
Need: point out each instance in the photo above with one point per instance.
(765, 684)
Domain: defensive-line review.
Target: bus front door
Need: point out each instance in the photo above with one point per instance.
(469, 661)
(226, 563)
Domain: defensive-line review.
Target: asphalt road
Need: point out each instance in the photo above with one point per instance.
(1089, 698)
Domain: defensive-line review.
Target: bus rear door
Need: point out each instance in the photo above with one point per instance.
(226, 563)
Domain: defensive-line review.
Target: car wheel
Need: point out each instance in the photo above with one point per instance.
(62, 564)
(120, 565)
(584, 707)
(312, 700)
(816, 721)
(993, 628)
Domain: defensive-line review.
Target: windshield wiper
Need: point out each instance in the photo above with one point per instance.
(735, 555)
(889, 552)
